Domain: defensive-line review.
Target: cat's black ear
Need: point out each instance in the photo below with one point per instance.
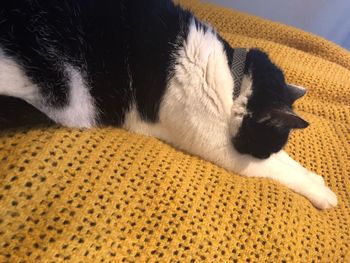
(283, 118)
(294, 92)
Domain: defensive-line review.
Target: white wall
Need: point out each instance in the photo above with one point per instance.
(327, 18)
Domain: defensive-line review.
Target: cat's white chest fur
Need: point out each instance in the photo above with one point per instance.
(197, 109)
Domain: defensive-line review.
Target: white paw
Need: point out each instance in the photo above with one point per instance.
(316, 178)
(321, 196)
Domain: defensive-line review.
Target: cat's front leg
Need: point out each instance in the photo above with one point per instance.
(290, 175)
(284, 157)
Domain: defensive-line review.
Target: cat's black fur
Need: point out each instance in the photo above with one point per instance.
(125, 51)
(108, 40)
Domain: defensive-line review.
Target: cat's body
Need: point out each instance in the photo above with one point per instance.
(153, 68)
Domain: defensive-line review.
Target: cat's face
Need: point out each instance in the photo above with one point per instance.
(269, 119)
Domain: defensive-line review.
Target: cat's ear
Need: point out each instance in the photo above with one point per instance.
(283, 118)
(294, 92)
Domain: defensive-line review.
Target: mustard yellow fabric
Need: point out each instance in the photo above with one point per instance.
(106, 195)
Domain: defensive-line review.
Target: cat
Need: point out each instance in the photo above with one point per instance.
(153, 68)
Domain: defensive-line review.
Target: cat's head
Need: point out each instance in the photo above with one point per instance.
(269, 116)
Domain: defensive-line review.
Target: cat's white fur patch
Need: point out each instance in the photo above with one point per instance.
(13, 81)
(196, 110)
(197, 107)
(197, 113)
(80, 111)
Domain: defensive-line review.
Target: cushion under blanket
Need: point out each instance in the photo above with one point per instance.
(106, 195)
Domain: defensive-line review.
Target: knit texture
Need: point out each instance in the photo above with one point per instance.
(106, 195)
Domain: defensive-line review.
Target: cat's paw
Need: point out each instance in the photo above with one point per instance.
(316, 178)
(321, 196)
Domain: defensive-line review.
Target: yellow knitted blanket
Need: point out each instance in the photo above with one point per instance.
(106, 195)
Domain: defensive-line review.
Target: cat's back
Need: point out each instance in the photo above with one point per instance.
(83, 28)
(103, 42)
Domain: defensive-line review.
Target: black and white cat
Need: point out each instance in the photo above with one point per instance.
(153, 68)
